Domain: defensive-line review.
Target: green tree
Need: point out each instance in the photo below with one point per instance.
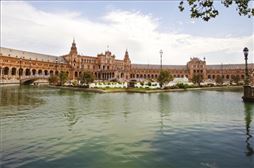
(219, 80)
(205, 8)
(86, 77)
(197, 79)
(164, 77)
(63, 76)
(53, 79)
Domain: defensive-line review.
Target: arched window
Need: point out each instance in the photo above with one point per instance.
(13, 71)
(34, 72)
(46, 72)
(40, 72)
(27, 72)
(20, 71)
(6, 71)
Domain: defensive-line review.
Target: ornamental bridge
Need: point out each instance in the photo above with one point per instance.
(27, 80)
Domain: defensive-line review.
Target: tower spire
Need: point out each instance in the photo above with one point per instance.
(126, 55)
(73, 47)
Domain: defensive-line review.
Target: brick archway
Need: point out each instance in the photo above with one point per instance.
(14, 71)
(6, 71)
(34, 72)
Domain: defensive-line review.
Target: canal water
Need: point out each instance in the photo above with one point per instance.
(45, 127)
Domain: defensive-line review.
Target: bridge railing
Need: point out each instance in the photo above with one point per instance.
(35, 76)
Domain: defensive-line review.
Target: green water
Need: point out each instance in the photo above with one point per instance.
(42, 127)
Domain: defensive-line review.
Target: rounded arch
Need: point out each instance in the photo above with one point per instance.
(46, 72)
(56, 72)
(21, 71)
(27, 72)
(40, 72)
(13, 71)
(34, 72)
(51, 72)
(6, 71)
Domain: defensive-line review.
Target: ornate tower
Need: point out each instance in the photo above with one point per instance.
(127, 64)
(73, 55)
(73, 48)
(73, 60)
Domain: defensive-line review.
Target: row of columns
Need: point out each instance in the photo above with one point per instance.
(104, 75)
(148, 76)
(6, 71)
(225, 76)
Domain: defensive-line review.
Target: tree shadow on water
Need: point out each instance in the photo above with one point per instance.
(248, 118)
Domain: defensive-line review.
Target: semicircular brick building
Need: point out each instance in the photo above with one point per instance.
(17, 64)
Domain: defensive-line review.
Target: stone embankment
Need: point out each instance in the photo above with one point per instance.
(137, 90)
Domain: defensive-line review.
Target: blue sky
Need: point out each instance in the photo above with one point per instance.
(227, 23)
(119, 25)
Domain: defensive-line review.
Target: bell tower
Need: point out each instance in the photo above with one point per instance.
(127, 65)
(73, 60)
(73, 55)
(73, 48)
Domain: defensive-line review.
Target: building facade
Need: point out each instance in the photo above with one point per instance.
(17, 64)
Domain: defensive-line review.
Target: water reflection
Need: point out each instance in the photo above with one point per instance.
(248, 118)
(16, 96)
(20, 98)
(164, 106)
(126, 130)
(70, 113)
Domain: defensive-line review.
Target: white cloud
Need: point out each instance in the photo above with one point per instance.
(25, 27)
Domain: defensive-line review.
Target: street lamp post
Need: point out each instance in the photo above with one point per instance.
(56, 65)
(30, 65)
(20, 59)
(161, 52)
(222, 74)
(246, 52)
(1, 70)
(61, 65)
